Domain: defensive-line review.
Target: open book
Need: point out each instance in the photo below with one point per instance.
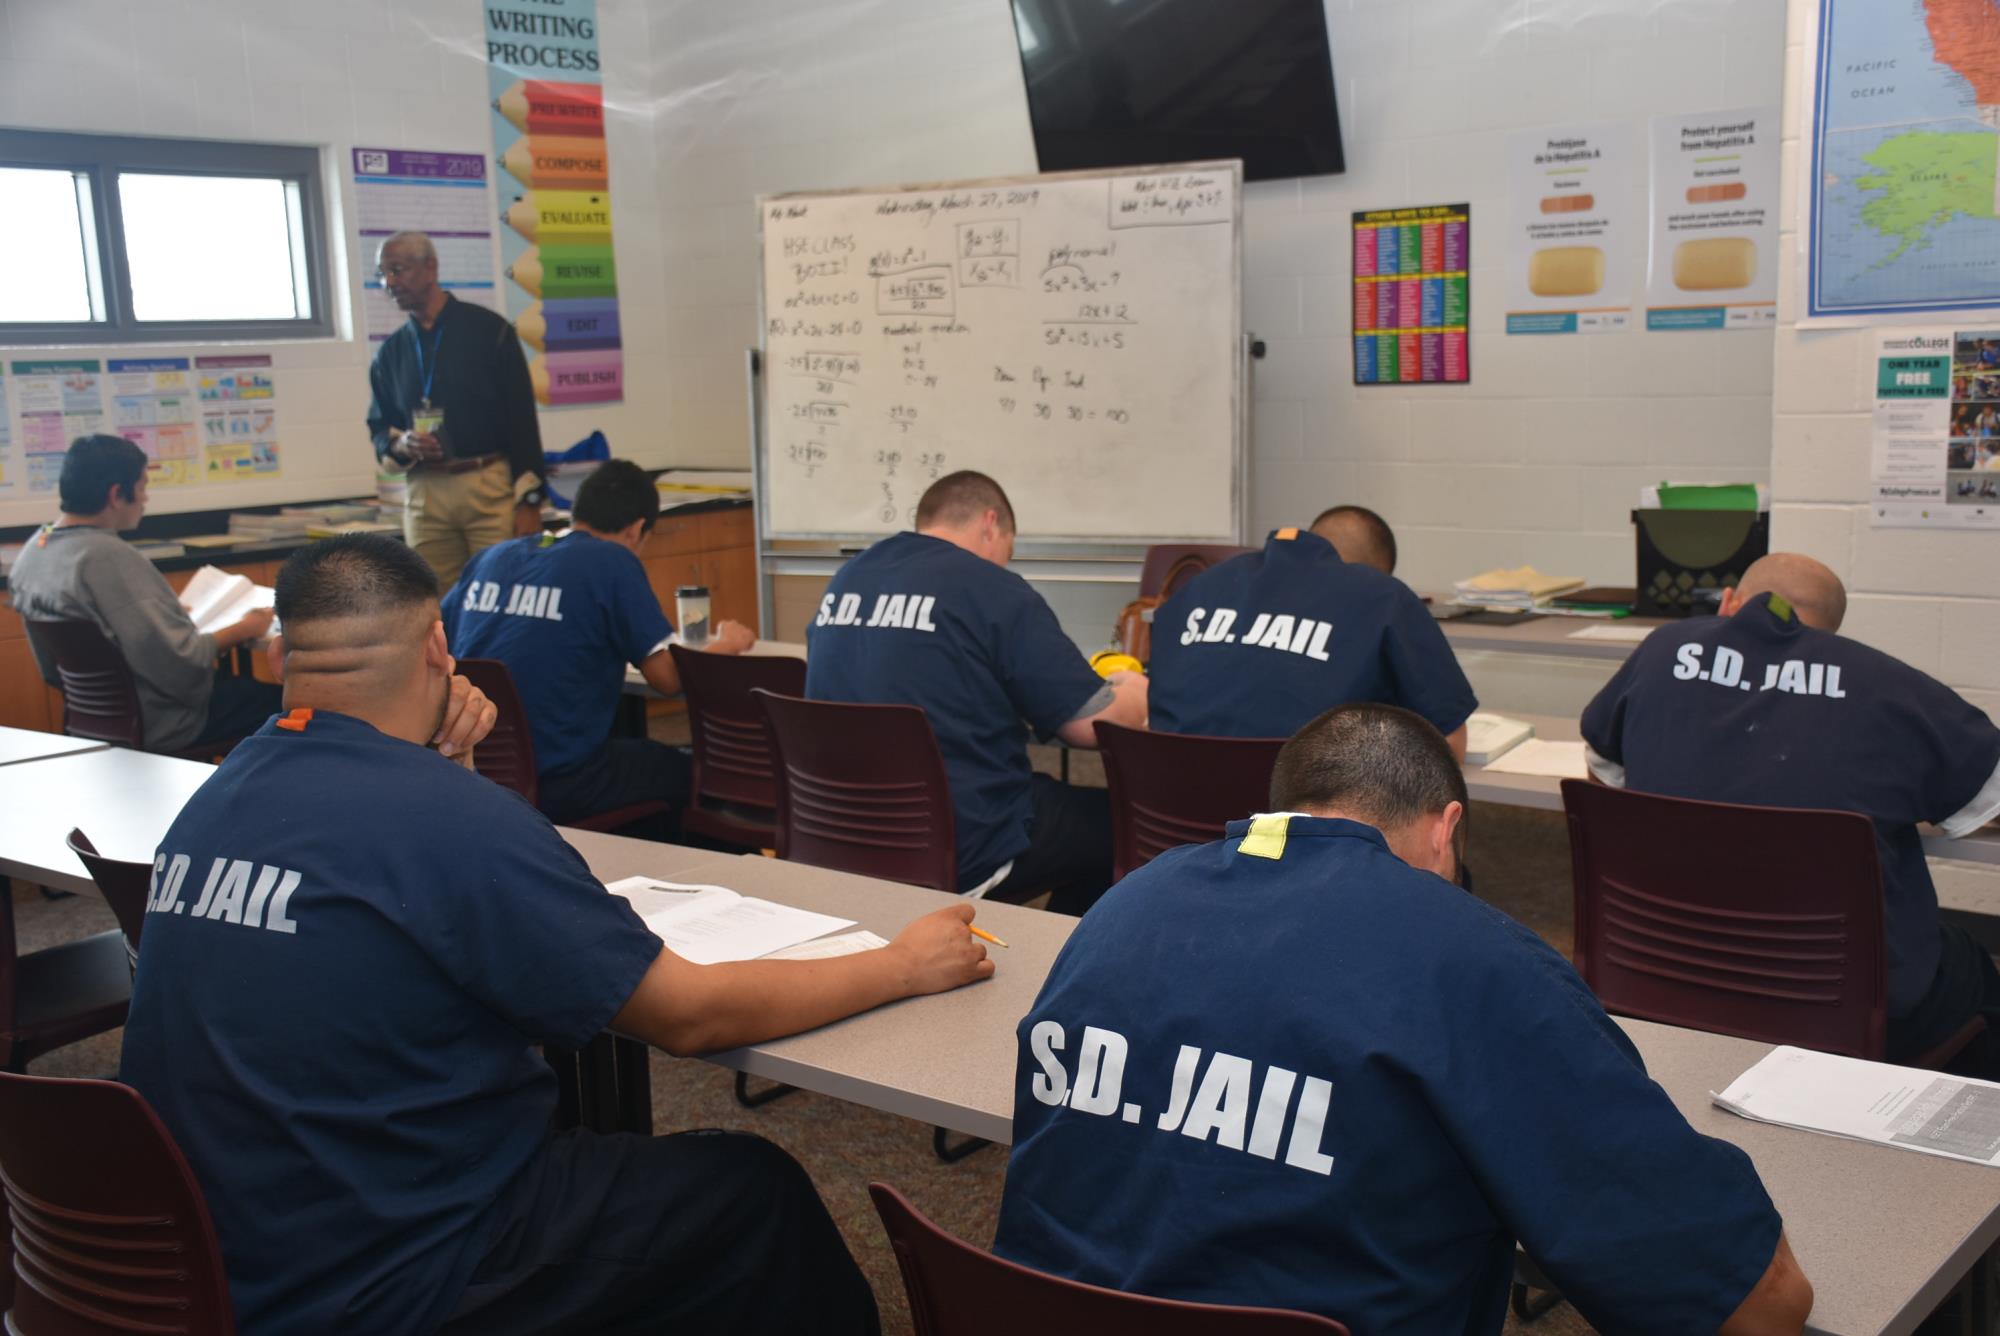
(215, 598)
(712, 924)
(1908, 1107)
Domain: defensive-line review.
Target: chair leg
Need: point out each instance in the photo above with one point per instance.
(762, 1097)
(950, 1154)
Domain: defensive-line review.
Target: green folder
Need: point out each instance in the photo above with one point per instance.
(1716, 496)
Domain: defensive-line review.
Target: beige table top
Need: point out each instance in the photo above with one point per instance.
(1546, 635)
(123, 800)
(1882, 1233)
(27, 744)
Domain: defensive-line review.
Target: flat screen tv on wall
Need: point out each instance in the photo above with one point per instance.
(1121, 83)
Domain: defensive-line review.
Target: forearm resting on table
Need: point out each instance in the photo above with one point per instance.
(688, 1009)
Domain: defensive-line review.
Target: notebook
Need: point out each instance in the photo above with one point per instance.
(1488, 736)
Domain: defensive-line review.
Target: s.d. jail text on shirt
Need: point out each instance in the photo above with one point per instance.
(1297, 635)
(906, 612)
(1796, 676)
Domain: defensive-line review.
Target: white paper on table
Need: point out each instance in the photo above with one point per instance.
(1612, 631)
(1906, 1107)
(712, 924)
(215, 598)
(825, 948)
(1491, 736)
(1539, 756)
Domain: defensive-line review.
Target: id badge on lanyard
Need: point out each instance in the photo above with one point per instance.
(427, 417)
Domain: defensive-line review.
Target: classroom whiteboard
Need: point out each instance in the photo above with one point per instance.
(1077, 336)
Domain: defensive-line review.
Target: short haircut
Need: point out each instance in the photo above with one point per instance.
(1378, 540)
(93, 466)
(962, 497)
(355, 575)
(419, 242)
(617, 493)
(1379, 763)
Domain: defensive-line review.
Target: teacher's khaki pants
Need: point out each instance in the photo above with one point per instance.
(453, 517)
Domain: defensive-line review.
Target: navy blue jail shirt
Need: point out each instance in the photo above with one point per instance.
(916, 620)
(352, 947)
(566, 615)
(1761, 709)
(1318, 1078)
(1263, 643)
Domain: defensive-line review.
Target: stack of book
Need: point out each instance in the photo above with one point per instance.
(1524, 588)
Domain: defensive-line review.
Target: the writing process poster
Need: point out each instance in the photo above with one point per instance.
(152, 406)
(1937, 429)
(555, 200)
(442, 195)
(58, 401)
(1412, 299)
(1713, 257)
(1570, 258)
(239, 418)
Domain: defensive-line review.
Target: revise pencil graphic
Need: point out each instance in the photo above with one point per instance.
(569, 325)
(577, 378)
(558, 162)
(561, 216)
(566, 271)
(539, 107)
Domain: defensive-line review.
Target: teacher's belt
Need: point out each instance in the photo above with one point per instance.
(472, 465)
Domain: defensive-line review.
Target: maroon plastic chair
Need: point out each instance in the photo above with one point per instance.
(957, 1290)
(110, 1232)
(100, 695)
(861, 788)
(60, 994)
(507, 754)
(1759, 922)
(1170, 789)
(124, 886)
(735, 798)
(1171, 565)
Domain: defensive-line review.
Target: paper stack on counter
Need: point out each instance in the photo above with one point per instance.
(1489, 735)
(1907, 1107)
(215, 598)
(711, 924)
(1539, 756)
(1522, 587)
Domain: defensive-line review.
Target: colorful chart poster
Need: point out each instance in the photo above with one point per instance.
(555, 234)
(239, 418)
(1936, 459)
(442, 195)
(58, 401)
(1713, 252)
(1899, 192)
(9, 470)
(1412, 295)
(1570, 258)
(153, 406)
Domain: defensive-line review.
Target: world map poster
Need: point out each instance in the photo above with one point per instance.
(1904, 191)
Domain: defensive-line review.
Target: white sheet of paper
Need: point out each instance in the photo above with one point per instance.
(1905, 1107)
(1539, 756)
(1612, 631)
(215, 598)
(825, 948)
(712, 924)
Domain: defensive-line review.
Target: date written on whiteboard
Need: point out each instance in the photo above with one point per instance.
(1176, 199)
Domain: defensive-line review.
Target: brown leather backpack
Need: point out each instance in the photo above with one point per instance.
(1134, 632)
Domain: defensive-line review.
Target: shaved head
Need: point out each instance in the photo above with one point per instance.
(1360, 536)
(1814, 592)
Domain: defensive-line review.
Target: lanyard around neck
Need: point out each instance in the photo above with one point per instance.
(427, 368)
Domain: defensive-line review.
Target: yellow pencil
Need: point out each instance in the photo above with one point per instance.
(984, 935)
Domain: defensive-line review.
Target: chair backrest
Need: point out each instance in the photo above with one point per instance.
(861, 788)
(1171, 565)
(507, 754)
(1170, 789)
(100, 696)
(109, 1228)
(1761, 922)
(958, 1290)
(733, 762)
(124, 886)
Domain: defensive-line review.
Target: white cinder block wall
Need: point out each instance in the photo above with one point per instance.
(336, 74)
(1930, 598)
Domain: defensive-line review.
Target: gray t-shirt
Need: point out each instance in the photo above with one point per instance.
(86, 574)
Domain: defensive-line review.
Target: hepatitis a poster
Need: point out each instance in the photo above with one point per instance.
(1713, 257)
(1412, 299)
(555, 200)
(1570, 257)
(152, 405)
(1936, 461)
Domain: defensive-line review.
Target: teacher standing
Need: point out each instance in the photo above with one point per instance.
(454, 407)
